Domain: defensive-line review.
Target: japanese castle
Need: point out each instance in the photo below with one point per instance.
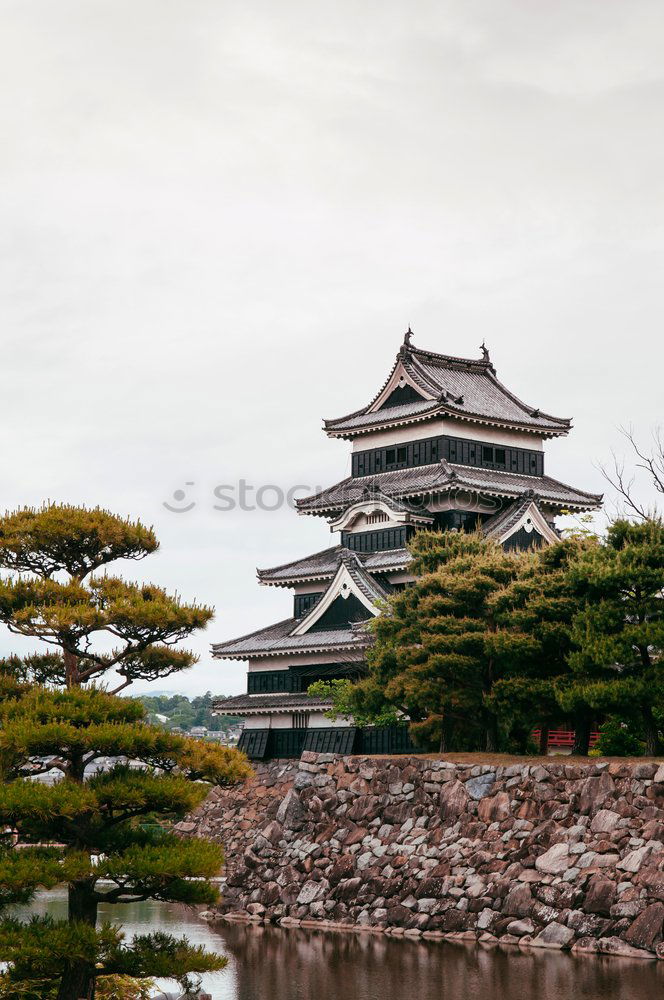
(444, 445)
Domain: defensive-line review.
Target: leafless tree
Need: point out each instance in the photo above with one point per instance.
(623, 480)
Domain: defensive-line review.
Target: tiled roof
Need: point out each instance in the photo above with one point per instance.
(496, 526)
(373, 492)
(458, 386)
(323, 565)
(390, 414)
(383, 562)
(444, 476)
(500, 524)
(277, 640)
(243, 704)
(287, 637)
(370, 587)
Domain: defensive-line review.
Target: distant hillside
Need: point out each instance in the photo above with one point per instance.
(178, 710)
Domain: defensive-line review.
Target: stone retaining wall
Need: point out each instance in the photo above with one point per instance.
(549, 855)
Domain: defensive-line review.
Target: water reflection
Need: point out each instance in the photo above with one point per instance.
(274, 964)
(301, 965)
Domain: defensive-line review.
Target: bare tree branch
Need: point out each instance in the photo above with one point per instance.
(651, 462)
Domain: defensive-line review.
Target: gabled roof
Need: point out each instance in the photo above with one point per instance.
(277, 640)
(266, 704)
(295, 635)
(464, 388)
(443, 477)
(350, 578)
(525, 512)
(323, 565)
(373, 498)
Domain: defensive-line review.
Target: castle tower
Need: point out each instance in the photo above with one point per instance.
(443, 445)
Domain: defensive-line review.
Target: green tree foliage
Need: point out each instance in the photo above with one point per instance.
(617, 739)
(619, 630)
(486, 645)
(540, 606)
(58, 595)
(440, 646)
(106, 833)
(186, 712)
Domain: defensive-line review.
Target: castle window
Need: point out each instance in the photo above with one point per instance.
(377, 517)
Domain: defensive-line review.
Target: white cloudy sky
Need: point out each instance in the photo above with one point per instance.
(218, 218)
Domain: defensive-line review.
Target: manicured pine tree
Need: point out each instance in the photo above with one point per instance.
(618, 665)
(106, 835)
(540, 606)
(439, 647)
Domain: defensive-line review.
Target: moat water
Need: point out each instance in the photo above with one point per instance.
(274, 964)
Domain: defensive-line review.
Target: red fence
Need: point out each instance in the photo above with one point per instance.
(562, 739)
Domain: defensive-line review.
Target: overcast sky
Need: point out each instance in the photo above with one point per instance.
(218, 218)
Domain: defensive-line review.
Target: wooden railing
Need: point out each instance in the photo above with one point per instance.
(562, 739)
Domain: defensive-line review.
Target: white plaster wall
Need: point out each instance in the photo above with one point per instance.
(361, 523)
(317, 587)
(317, 720)
(284, 662)
(401, 577)
(452, 427)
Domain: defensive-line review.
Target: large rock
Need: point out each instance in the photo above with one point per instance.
(453, 801)
(600, 895)
(311, 891)
(342, 868)
(480, 786)
(554, 935)
(555, 861)
(594, 793)
(521, 927)
(519, 901)
(291, 812)
(604, 821)
(273, 832)
(347, 889)
(633, 861)
(646, 930)
(653, 882)
(494, 808)
(616, 946)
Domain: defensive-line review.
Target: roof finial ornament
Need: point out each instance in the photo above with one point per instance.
(407, 337)
(485, 352)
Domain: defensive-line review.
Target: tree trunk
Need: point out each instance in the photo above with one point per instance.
(78, 980)
(491, 733)
(651, 732)
(445, 734)
(581, 734)
(71, 669)
(544, 740)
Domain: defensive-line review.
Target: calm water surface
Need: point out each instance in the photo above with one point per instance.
(271, 964)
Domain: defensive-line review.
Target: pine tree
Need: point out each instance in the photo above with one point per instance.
(541, 605)
(439, 647)
(106, 834)
(618, 665)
